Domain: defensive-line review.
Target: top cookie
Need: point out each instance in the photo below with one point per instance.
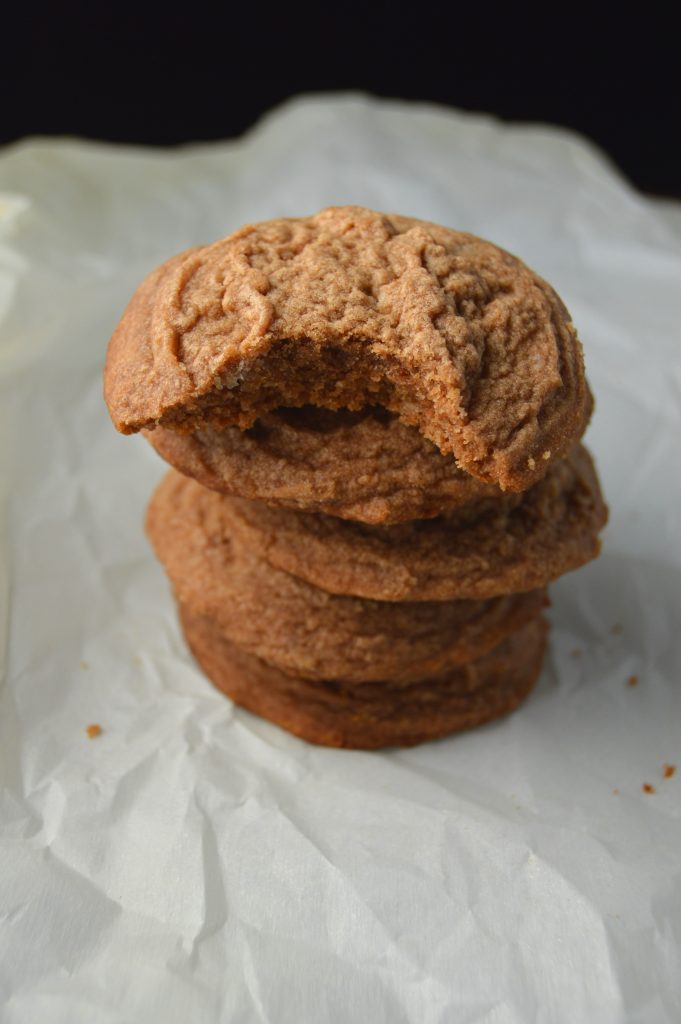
(352, 308)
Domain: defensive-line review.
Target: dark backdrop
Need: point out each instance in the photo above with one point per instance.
(168, 75)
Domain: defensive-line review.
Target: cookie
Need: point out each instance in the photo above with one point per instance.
(492, 548)
(349, 309)
(372, 715)
(298, 627)
(367, 465)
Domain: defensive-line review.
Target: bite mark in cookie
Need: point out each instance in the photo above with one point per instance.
(351, 308)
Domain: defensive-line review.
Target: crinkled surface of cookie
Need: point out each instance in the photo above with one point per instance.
(372, 715)
(367, 465)
(494, 547)
(351, 308)
(296, 626)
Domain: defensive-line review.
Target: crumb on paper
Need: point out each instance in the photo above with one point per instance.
(136, 660)
(632, 681)
(615, 792)
(668, 770)
(85, 664)
(617, 629)
(94, 730)
(576, 653)
(647, 788)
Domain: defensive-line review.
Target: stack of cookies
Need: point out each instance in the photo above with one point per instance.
(375, 424)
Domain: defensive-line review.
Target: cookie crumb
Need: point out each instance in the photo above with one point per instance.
(136, 660)
(531, 463)
(576, 653)
(84, 664)
(546, 455)
(632, 681)
(617, 629)
(94, 731)
(647, 788)
(615, 792)
(668, 770)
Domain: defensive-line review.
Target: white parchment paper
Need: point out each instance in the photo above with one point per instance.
(194, 863)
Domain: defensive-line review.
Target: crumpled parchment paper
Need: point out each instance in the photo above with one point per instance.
(194, 863)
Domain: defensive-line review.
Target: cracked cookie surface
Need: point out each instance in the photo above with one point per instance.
(351, 308)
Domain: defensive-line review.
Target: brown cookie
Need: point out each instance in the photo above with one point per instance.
(495, 547)
(371, 715)
(351, 308)
(300, 628)
(367, 465)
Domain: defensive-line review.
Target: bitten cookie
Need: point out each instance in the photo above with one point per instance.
(298, 627)
(351, 308)
(372, 715)
(497, 546)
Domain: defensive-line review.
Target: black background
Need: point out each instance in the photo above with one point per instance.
(163, 76)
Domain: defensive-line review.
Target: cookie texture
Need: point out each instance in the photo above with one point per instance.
(351, 308)
(494, 547)
(300, 628)
(367, 466)
(372, 715)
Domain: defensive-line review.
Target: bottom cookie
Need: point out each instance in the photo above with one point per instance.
(372, 715)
